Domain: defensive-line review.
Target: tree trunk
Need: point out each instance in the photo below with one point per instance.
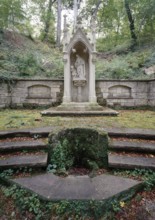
(47, 23)
(94, 12)
(131, 22)
(58, 39)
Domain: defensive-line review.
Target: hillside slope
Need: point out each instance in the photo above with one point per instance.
(21, 57)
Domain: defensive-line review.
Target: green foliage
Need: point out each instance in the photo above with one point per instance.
(80, 210)
(28, 65)
(150, 61)
(11, 13)
(62, 158)
(114, 26)
(123, 66)
(22, 57)
(6, 173)
(25, 200)
(116, 206)
(148, 176)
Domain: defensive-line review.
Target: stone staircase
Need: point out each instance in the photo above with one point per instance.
(125, 153)
(131, 154)
(18, 154)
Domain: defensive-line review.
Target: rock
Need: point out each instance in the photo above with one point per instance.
(149, 71)
(79, 147)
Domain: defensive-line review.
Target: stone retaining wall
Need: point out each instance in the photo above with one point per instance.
(125, 93)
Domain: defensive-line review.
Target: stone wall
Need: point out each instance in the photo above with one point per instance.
(151, 91)
(31, 93)
(125, 93)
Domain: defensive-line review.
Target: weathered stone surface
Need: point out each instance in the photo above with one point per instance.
(129, 162)
(24, 161)
(79, 111)
(21, 145)
(78, 146)
(131, 133)
(133, 146)
(41, 132)
(150, 70)
(101, 187)
(112, 132)
(139, 92)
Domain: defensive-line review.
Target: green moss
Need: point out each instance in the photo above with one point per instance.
(11, 119)
(78, 147)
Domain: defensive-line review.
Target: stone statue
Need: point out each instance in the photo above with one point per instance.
(80, 67)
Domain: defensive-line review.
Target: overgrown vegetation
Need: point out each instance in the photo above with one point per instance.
(146, 175)
(78, 147)
(27, 202)
(21, 57)
(128, 65)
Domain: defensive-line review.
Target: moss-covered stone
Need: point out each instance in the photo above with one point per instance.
(78, 147)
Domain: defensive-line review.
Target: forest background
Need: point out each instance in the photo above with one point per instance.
(31, 37)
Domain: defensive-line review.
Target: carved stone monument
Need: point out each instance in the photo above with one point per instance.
(79, 55)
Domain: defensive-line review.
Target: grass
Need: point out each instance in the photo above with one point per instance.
(20, 119)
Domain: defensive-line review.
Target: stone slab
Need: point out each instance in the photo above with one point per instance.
(128, 162)
(104, 112)
(21, 145)
(41, 132)
(24, 161)
(51, 187)
(133, 146)
(131, 133)
(112, 132)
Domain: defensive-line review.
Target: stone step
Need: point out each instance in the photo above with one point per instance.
(22, 145)
(130, 162)
(24, 161)
(112, 132)
(146, 134)
(133, 146)
(39, 132)
(84, 188)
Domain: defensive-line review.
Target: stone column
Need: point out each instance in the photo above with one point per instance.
(67, 80)
(92, 92)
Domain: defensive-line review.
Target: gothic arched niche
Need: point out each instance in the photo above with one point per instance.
(79, 63)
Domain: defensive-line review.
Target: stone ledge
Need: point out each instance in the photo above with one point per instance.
(24, 161)
(128, 162)
(133, 146)
(52, 188)
(22, 145)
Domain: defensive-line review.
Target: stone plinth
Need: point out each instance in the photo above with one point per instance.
(79, 109)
